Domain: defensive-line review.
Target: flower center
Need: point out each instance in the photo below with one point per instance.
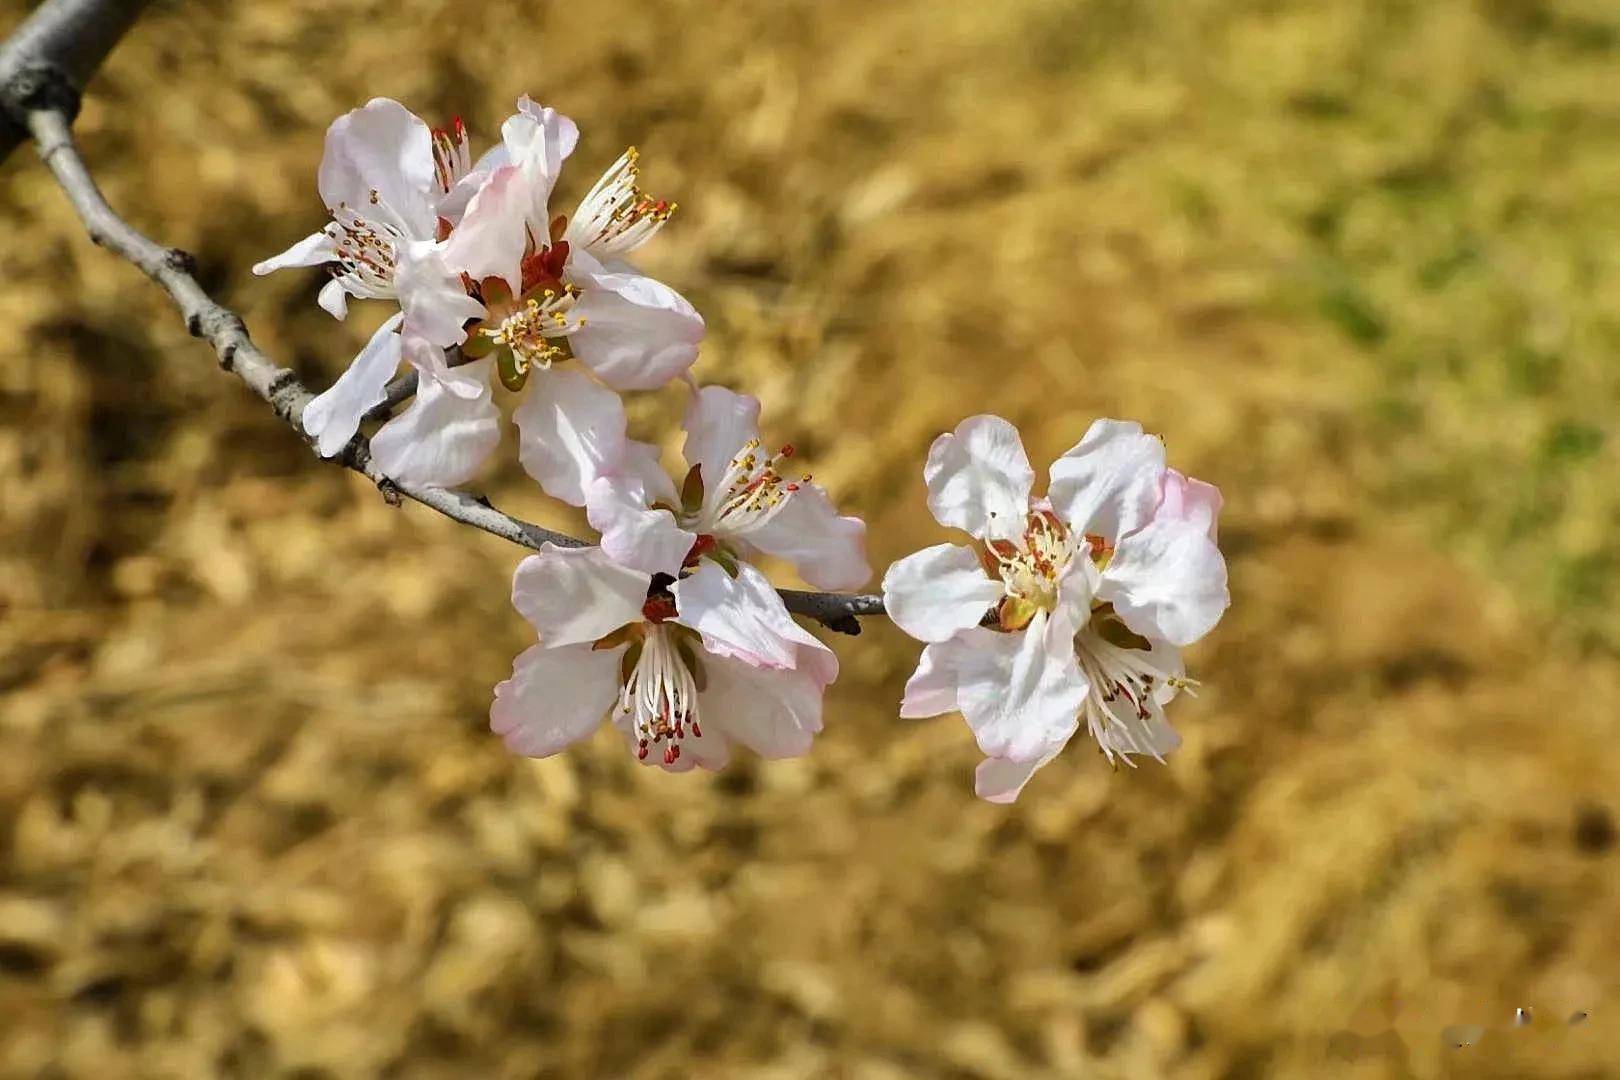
(616, 216)
(659, 692)
(367, 251)
(1127, 682)
(1031, 567)
(750, 493)
(528, 330)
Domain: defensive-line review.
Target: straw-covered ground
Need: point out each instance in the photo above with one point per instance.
(1356, 260)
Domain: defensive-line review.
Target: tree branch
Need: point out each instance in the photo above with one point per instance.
(173, 270)
(47, 60)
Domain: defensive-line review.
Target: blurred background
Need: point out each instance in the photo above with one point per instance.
(1357, 262)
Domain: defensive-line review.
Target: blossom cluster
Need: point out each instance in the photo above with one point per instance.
(1068, 607)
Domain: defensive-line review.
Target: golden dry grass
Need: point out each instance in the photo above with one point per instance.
(1355, 260)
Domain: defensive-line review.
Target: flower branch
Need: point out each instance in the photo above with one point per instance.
(172, 269)
(49, 58)
(1068, 611)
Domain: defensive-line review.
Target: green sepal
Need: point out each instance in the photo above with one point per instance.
(727, 561)
(700, 677)
(478, 344)
(692, 490)
(1017, 613)
(628, 662)
(513, 373)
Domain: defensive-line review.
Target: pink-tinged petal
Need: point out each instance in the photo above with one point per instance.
(434, 300)
(1108, 483)
(1167, 582)
(574, 595)
(333, 417)
(635, 333)
(536, 139)
(316, 249)
(452, 205)
(936, 592)
(381, 150)
(490, 239)
(633, 533)
(999, 780)
(555, 697)
(334, 300)
(1020, 693)
(931, 690)
(979, 478)
(744, 618)
(718, 422)
(776, 714)
(441, 439)
(1182, 498)
(571, 432)
(827, 549)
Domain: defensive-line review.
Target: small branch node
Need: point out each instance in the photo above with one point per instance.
(41, 86)
(181, 260)
(845, 624)
(390, 492)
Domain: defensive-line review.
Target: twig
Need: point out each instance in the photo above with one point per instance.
(173, 269)
(47, 60)
(395, 394)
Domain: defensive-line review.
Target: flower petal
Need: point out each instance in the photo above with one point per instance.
(442, 438)
(620, 507)
(1183, 498)
(1167, 581)
(827, 549)
(571, 432)
(1108, 483)
(931, 690)
(315, 249)
(936, 592)
(635, 333)
(776, 714)
(434, 300)
(490, 239)
(573, 595)
(555, 697)
(379, 163)
(537, 139)
(999, 780)
(744, 618)
(718, 422)
(979, 478)
(334, 416)
(1020, 693)
(334, 299)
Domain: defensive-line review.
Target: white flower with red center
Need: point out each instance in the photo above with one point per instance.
(556, 289)
(682, 667)
(733, 503)
(394, 188)
(474, 259)
(1069, 607)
